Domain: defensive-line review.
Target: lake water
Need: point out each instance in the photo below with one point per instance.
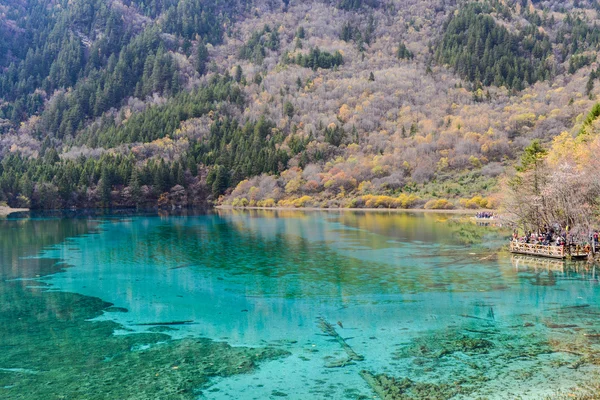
(296, 305)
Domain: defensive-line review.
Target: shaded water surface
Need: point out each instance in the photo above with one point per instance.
(265, 304)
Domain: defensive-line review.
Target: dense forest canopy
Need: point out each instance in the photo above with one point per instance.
(264, 102)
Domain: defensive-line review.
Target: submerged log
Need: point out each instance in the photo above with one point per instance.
(340, 363)
(482, 332)
(559, 326)
(374, 384)
(474, 317)
(166, 323)
(329, 330)
(181, 266)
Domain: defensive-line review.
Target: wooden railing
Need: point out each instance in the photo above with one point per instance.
(546, 251)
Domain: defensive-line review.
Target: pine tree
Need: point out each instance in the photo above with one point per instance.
(288, 109)
(180, 178)
(158, 179)
(105, 187)
(238, 74)
(134, 186)
(201, 58)
(221, 181)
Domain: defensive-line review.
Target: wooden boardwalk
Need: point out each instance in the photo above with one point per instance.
(539, 250)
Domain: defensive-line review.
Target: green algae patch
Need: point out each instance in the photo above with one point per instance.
(51, 351)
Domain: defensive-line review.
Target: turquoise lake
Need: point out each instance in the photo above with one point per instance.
(287, 304)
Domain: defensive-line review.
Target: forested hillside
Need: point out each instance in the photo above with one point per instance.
(330, 103)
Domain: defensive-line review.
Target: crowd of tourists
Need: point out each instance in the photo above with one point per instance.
(545, 238)
(559, 237)
(486, 215)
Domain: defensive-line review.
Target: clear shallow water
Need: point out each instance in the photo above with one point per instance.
(419, 296)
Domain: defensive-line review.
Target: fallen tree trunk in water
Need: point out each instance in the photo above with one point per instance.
(374, 384)
(166, 323)
(329, 330)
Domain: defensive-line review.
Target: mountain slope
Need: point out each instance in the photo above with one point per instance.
(328, 103)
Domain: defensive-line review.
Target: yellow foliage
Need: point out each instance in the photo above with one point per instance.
(301, 202)
(266, 203)
(442, 164)
(240, 202)
(479, 202)
(527, 96)
(377, 170)
(402, 201)
(163, 199)
(420, 139)
(562, 149)
(345, 113)
(473, 136)
(475, 161)
(439, 204)
(298, 203)
(353, 147)
(253, 193)
(525, 119)
(365, 186)
(293, 185)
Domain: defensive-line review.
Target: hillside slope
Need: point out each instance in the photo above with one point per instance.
(324, 103)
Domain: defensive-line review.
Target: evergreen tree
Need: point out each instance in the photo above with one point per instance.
(403, 52)
(221, 181)
(180, 177)
(238, 74)
(201, 58)
(105, 187)
(288, 109)
(135, 187)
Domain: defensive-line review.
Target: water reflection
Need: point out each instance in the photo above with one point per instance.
(555, 270)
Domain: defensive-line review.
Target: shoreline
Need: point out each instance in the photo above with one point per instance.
(6, 211)
(380, 210)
